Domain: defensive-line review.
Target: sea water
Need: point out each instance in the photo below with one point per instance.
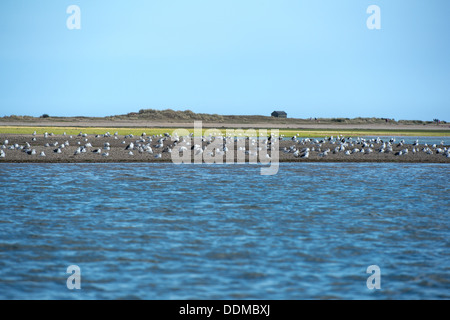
(166, 231)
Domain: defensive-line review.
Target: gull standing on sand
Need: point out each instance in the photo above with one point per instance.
(306, 154)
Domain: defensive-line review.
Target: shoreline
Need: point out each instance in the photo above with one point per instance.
(17, 148)
(43, 161)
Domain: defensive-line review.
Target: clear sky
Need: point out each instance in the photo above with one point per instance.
(310, 58)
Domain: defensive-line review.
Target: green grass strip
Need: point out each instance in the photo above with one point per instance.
(156, 131)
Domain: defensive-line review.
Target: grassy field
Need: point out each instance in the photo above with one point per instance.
(188, 116)
(156, 131)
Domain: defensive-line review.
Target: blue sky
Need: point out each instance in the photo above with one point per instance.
(312, 58)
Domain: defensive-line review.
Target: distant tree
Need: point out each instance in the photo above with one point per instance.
(45, 116)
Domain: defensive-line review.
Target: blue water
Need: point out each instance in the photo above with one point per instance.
(165, 231)
(411, 139)
(407, 139)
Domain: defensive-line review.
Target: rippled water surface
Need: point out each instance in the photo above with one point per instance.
(165, 231)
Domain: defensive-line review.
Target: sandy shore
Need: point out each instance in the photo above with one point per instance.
(118, 153)
(155, 124)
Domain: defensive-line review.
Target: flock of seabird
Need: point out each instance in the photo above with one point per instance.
(156, 145)
(303, 147)
(143, 144)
